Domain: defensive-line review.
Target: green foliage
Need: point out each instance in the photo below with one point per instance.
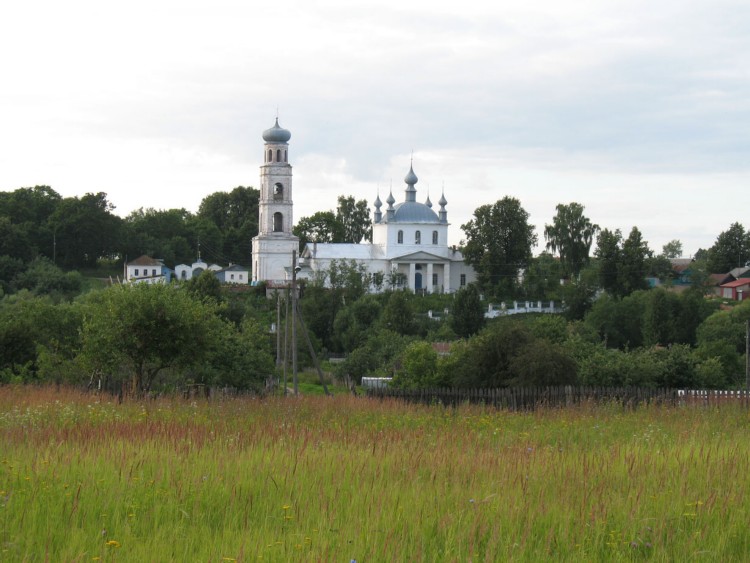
(86, 229)
(235, 215)
(377, 356)
(36, 335)
(205, 287)
(146, 329)
(541, 280)
(467, 316)
(507, 353)
(398, 315)
(419, 368)
(354, 322)
(498, 244)
(354, 218)
(42, 277)
(571, 235)
(731, 250)
(672, 249)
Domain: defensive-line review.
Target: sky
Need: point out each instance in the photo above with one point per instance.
(640, 111)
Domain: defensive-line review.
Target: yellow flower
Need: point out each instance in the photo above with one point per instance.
(113, 543)
(286, 507)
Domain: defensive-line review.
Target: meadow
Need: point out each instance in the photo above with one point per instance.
(84, 478)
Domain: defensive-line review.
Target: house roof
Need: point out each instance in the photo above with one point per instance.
(719, 279)
(679, 265)
(342, 251)
(234, 268)
(737, 283)
(145, 261)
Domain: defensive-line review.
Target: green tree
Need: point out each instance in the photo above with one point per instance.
(633, 267)
(147, 329)
(467, 317)
(86, 229)
(672, 249)
(571, 235)
(398, 315)
(322, 227)
(498, 244)
(354, 217)
(419, 367)
(609, 256)
(731, 250)
(235, 215)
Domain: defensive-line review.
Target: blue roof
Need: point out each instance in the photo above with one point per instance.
(413, 212)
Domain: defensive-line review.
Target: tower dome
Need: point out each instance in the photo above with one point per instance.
(276, 134)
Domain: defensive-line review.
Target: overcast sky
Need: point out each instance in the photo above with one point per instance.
(638, 110)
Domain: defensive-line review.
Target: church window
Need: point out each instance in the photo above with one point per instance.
(434, 237)
(278, 222)
(418, 237)
(400, 240)
(463, 280)
(270, 156)
(278, 192)
(278, 155)
(434, 280)
(285, 156)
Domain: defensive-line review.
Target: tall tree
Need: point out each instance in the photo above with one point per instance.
(672, 249)
(322, 226)
(731, 250)
(571, 235)
(467, 317)
(235, 214)
(86, 229)
(145, 329)
(498, 243)
(609, 254)
(354, 217)
(634, 265)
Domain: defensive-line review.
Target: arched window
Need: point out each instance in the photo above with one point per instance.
(270, 155)
(434, 237)
(278, 222)
(401, 237)
(278, 191)
(418, 237)
(285, 156)
(278, 155)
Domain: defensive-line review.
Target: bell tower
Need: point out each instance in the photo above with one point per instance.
(273, 247)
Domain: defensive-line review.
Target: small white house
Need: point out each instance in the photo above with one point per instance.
(235, 274)
(145, 269)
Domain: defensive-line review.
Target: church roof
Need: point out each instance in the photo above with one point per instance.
(276, 134)
(413, 212)
(339, 251)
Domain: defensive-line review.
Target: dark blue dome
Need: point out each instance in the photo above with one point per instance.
(276, 134)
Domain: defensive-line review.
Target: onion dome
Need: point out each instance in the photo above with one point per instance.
(276, 134)
(378, 204)
(428, 203)
(390, 200)
(411, 177)
(443, 202)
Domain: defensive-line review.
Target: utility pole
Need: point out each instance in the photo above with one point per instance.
(294, 321)
(747, 353)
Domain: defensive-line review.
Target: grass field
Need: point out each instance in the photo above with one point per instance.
(83, 478)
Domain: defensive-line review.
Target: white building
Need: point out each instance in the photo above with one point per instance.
(275, 243)
(145, 269)
(185, 272)
(409, 243)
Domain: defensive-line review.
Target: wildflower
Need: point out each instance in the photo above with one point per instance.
(113, 543)
(286, 507)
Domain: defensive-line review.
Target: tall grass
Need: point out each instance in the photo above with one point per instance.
(83, 478)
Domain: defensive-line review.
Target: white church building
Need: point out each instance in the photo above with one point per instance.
(409, 239)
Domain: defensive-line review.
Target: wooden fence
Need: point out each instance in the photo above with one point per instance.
(530, 398)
